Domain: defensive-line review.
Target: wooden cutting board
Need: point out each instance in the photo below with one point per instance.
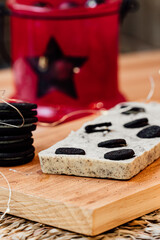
(84, 205)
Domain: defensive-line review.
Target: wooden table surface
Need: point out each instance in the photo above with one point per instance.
(134, 73)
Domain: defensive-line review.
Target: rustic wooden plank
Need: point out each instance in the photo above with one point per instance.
(84, 205)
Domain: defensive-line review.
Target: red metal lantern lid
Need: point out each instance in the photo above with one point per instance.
(50, 9)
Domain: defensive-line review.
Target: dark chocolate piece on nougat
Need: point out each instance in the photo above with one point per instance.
(149, 132)
(122, 154)
(133, 110)
(70, 151)
(141, 122)
(99, 127)
(113, 143)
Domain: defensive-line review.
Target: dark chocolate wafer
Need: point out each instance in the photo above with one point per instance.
(134, 110)
(19, 106)
(16, 146)
(18, 122)
(5, 130)
(17, 137)
(18, 154)
(6, 114)
(10, 162)
(16, 142)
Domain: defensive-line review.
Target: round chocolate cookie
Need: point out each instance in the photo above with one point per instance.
(16, 142)
(18, 122)
(16, 146)
(17, 154)
(19, 106)
(6, 130)
(122, 154)
(6, 114)
(15, 138)
(10, 162)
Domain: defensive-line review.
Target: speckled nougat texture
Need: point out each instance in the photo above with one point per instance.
(93, 164)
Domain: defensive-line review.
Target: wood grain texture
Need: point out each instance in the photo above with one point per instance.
(84, 205)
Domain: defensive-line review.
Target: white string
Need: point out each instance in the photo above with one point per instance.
(9, 104)
(19, 172)
(11, 125)
(152, 88)
(23, 121)
(71, 114)
(9, 197)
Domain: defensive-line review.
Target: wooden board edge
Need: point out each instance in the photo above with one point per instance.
(47, 211)
(120, 212)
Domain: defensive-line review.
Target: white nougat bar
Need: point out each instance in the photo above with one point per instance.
(93, 163)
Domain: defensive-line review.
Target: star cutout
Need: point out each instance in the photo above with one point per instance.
(55, 70)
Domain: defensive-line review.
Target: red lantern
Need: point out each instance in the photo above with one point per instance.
(65, 56)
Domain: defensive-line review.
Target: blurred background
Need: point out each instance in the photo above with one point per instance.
(139, 31)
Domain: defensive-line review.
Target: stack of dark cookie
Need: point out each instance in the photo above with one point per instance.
(16, 142)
